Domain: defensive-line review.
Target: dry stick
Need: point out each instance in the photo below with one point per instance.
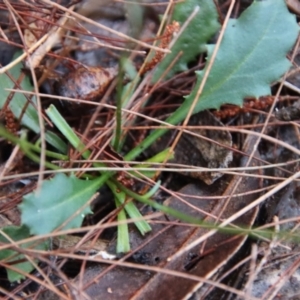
(53, 39)
(164, 19)
(291, 86)
(280, 222)
(2, 33)
(10, 163)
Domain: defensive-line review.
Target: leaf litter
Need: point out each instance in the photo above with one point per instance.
(243, 53)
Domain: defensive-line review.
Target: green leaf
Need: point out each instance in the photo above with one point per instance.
(123, 242)
(19, 102)
(67, 131)
(10, 256)
(130, 208)
(194, 38)
(252, 55)
(58, 200)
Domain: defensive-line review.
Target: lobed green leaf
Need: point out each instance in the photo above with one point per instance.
(60, 199)
(252, 55)
(20, 107)
(16, 233)
(193, 39)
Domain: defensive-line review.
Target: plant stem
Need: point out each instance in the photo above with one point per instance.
(118, 130)
(67, 131)
(174, 119)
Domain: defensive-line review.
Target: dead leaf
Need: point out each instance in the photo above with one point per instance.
(204, 147)
(86, 83)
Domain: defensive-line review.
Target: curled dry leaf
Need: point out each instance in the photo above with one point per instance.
(47, 41)
(86, 83)
(212, 151)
